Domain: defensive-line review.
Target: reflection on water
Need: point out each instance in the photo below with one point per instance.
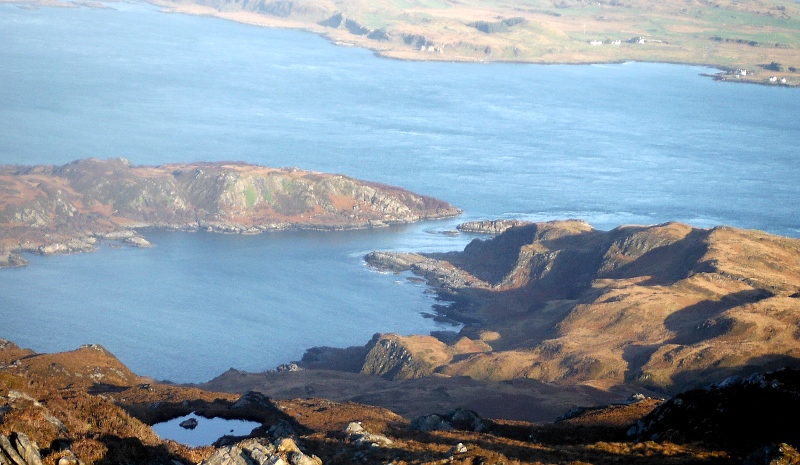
(206, 432)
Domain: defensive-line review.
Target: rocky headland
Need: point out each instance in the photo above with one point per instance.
(67, 209)
(666, 307)
(663, 308)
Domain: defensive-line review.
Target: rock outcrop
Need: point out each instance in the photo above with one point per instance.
(261, 452)
(361, 437)
(69, 209)
(394, 357)
(19, 450)
(744, 414)
(458, 419)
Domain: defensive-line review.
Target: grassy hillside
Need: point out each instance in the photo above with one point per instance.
(667, 307)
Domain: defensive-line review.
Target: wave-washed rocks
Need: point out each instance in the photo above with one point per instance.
(494, 227)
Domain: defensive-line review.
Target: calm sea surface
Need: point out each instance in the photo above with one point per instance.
(613, 144)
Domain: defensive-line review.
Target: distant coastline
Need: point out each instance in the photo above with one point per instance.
(744, 70)
(728, 72)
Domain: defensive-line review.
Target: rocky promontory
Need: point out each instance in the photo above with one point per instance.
(665, 307)
(67, 209)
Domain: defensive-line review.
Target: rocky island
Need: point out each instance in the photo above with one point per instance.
(67, 209)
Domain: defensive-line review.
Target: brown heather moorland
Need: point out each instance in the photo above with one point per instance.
(667, 307)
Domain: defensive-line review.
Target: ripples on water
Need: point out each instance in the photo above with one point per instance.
(613, 144)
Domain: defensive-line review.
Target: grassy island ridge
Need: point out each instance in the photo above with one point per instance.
(65, 209)
(755, 42)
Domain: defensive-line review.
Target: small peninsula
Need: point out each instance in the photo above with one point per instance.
(67, 209)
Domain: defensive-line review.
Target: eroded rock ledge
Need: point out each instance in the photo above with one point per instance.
(68, 209)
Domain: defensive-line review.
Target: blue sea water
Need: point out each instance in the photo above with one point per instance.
(612, 144)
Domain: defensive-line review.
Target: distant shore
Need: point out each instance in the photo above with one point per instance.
(760, 68)
(401, 51)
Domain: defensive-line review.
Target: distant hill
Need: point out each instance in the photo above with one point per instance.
(666, 307)
(65, 209)
(752, 41)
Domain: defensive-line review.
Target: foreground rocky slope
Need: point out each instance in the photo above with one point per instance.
(65, 209)
(665, 307)
(85, 407)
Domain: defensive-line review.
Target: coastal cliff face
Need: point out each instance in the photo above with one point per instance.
(66, 209)
(667, 307)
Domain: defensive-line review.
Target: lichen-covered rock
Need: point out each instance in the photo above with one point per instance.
(28, 449)
(18, 449)
(361, 437)
(11, 454)
(260, 452)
